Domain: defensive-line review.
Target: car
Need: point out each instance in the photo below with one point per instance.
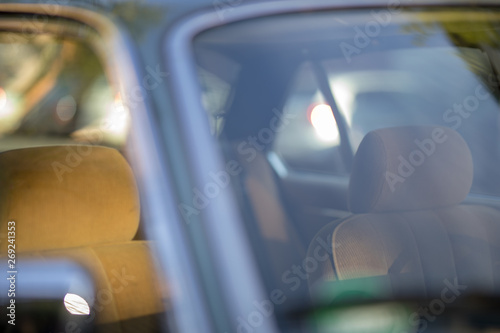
(249, 166)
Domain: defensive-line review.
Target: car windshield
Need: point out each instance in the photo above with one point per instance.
(360, 144)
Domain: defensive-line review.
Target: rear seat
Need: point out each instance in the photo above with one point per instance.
(81, 203)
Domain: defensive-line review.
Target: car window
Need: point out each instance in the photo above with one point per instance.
(216, 89)
(312, 142)
(390, 114)
(55, 91)
(67, 191)
(366, 105)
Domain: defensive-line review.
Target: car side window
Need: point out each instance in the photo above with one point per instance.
(216, 87)
(67, 190)
(312, 142)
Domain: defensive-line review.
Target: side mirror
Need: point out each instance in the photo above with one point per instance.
(46, 296)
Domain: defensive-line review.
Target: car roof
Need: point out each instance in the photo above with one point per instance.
(176, 7)
(173, 9)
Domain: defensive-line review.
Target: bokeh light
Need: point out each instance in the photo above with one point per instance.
(323, 121)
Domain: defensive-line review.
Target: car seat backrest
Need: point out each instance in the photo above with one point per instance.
(406, 187)
(410, 168)
(81, 203)
(61, 198)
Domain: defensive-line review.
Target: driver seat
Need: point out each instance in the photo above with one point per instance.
(406, 192)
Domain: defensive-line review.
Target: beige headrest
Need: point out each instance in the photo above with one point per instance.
(410, 168)
(67, 196)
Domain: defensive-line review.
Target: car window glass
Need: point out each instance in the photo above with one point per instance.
(67, 191)
(402, 80)
(312, 141)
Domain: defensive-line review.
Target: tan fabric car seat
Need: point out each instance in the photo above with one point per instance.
(405, 191)
(81, 203)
